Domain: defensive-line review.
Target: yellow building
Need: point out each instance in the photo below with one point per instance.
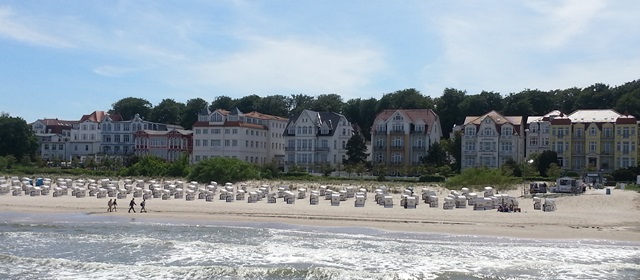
(594, 140)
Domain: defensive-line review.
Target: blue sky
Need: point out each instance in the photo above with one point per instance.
(63, 59)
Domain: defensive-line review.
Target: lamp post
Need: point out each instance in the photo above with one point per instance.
(524, 162)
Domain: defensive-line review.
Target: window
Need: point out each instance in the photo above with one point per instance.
(216, 117)
(470, 131)
(470, 146)
(487, 131)
(226, 131)
(234, 131)
(126, 138)
(607, 132)
(578, 132)
(397, 117)
(234, 143)
(198, 142)
(46, 146)
(533, 141)
(592, 131)
(507, 131)
(506, 146)
(205, 142)
(592, 146)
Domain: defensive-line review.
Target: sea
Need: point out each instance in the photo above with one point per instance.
(85, 246)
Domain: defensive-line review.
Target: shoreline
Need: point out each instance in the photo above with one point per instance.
(591, 216)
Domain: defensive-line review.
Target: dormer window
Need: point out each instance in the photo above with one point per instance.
(398, 118)
(216, 117)
(507, 131)
(324, 130)
(470, 131)
(487, 120)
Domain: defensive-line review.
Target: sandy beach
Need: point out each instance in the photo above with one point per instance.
(592, 215)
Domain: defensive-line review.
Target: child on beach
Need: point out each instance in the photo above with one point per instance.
(131, 204)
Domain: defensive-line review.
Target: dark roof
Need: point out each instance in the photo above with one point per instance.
(330, 118)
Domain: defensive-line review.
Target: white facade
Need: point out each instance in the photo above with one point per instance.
(252, 137)
(315, 138)
(85, 138)
(491, 139)
(53, 138)
(538, 133)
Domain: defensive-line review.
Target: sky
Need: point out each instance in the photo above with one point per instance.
(64, 59)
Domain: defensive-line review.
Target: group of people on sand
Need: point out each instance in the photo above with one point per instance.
(113, 205)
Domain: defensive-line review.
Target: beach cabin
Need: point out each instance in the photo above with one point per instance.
(549, 205)
(461, 201)
(379, 197)
(537, 187)
(209, 197)
(328, 194)
(350, 192)
(302, 193)
(253, 197)
(449, 203)
(410, 202)
(343, 195)
(147, 194)
(137, 192)
(101, 193)
(537, 203)
(271, 198)
(471, 198)
(289, 197)
(488, 192)
(190, 195)
(433, 201)
(322, 190)
(360, 199)
(314, 198)
(388, 201)
(335, 199)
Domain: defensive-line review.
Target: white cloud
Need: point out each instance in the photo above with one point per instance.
(269, 65)
(113, 71)
(20, 29)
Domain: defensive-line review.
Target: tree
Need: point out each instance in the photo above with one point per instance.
(222, 102)
(361, 112)
(436, 155)
(298, 103)
(356, 150)
(328, 103)
(448, 110)
(554, 170)
(16, 138)
(477, 105)
(168, 111)
(275, 105)
(151, 166)
(180, 167)
(545, 159)
(128, 107)
(190, 113)
(248, 103)
(405, 99)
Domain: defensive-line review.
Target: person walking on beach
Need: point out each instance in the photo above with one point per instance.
(131, 204)
(115, 205)
(110, 204)
(142, 204)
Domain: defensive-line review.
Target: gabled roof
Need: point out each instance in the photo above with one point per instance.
(496, 117)
(330, 119)
(56, 122)
(428, 116)
(99, 116)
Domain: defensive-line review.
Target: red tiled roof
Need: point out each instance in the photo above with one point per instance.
(258, 115)
(230, 124)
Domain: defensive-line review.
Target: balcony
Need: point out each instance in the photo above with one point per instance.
(418, 132)
(380, 131)
(379, 147)
(397, 147)
(397, 131)
(321, 149)
(469, 152)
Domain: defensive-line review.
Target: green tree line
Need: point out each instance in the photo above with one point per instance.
(452, 105)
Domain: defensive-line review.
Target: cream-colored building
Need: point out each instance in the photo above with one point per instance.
(253, 137)
(491, 139)
(401, 137)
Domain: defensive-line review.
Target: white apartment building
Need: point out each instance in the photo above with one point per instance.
(86, 135)
(53, 138)
(253, 137)
(491, 139)
(403, 136)
(118, 135)
(538, 133)
(314, 138)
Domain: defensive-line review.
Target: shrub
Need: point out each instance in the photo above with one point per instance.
(223, 170)
(431, 178)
